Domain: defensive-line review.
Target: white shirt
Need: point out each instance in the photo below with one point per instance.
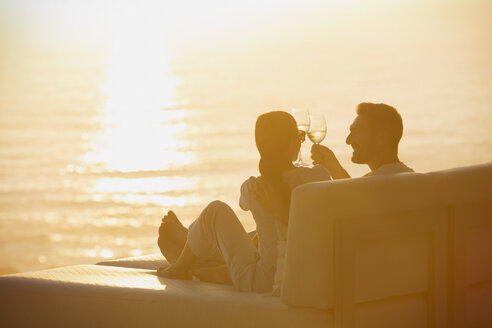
(392, 168)
(265, 222)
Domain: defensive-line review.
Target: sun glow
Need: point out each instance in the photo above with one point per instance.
(140, 132)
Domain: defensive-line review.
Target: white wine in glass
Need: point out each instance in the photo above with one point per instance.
(302, 118)
(317, 128)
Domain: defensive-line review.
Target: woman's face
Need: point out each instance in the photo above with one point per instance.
(295, 145)
(278, 136)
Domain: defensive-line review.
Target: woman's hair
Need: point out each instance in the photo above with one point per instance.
(274, 134)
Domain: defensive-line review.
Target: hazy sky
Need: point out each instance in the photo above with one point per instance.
(180, 19)
(185, 21)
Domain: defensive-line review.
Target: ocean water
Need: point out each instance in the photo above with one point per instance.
(96, 144)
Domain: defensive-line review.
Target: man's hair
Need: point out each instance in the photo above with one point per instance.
(383, 117)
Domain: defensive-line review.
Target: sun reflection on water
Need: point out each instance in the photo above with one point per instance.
(135, 164)
(144, 185)
(139, 131)
(139, 141)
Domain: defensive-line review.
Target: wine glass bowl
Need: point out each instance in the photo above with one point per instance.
(302, 118)
(317, 128)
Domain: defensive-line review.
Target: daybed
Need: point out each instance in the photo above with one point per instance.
(408, 250)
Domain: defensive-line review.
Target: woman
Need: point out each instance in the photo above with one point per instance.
(218, 236)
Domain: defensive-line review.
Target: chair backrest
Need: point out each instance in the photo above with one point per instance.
(468, 194)
(372, 250)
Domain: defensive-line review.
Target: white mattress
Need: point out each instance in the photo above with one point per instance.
(150, 262)
(103, 296)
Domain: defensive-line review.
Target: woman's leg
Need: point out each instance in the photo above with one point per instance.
(172, 239)
(218, 235)
(216, 274)
(181, 268)
(173, 236)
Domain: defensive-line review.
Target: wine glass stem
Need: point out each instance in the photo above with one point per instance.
(300, 156)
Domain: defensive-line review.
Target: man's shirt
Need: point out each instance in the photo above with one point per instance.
(391, 168)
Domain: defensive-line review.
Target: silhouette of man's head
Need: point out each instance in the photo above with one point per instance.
(376, 130)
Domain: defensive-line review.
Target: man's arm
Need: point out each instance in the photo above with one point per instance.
(324, 156)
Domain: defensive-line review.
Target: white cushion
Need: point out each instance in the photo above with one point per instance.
(150, 262)
(465, 184)
(467, 192)
(102, 296)
(316, 207)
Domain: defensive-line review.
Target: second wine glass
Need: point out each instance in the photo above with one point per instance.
(301, 116)
(317, 128)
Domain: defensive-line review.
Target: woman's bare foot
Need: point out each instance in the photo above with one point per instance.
(173, 229)
(181, 268)
(172, 237)
(217, 274)
(174, 272)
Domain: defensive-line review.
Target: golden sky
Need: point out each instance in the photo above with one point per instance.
(188, 20)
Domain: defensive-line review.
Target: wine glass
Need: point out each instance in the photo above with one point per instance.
(317, 128)
(301, 116)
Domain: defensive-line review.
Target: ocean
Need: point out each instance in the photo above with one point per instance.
(97, 143)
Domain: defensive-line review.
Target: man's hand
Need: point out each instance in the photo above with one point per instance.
(324, 156)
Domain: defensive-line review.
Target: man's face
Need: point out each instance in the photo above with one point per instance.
(361, 138)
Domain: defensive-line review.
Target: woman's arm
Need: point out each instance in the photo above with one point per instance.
(245, 195)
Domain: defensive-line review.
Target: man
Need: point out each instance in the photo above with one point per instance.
(374, 137)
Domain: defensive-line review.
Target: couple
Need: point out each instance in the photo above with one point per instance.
(216, 248)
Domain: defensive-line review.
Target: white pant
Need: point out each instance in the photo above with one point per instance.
(217, 235)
